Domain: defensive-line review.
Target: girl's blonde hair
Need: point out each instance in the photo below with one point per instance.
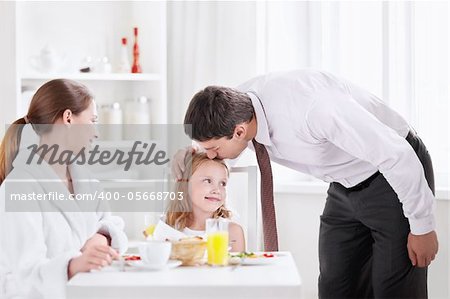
(179, 212)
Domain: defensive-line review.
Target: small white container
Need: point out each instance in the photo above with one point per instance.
(111, 119)
(137, 112)
(124, 65)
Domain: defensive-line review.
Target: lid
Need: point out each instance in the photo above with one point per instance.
(113, 106)
(140, 100)
(143, 99)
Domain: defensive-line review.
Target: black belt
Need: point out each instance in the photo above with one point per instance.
(364, 184)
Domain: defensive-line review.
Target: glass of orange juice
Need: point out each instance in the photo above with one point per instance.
(217, 240)
(150, 221)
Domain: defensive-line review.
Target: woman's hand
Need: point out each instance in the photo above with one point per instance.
(95, 240)
(93, 257)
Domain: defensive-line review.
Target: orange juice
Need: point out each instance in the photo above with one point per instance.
(218, 248)
(148, 232)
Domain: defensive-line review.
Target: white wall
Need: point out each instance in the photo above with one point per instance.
(8, 80)
(209, 43)
(298, 228)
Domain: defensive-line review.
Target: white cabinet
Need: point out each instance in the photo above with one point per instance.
(76, 30)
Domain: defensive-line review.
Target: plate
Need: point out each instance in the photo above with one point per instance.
(258, 260)
(141, 265)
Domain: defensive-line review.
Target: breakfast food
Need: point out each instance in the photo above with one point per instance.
(234, 260)
(251, 258)
(252, 255)
(131, 258)
(190, 251)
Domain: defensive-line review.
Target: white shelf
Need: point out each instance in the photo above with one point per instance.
(122, 143)
(129, 184)
(33, 29)
(94, 76)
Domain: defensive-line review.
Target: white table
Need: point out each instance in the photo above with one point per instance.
(277, 280)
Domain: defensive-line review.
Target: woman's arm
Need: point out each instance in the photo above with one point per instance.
(24, 243)
(237, 238)
(112, 227)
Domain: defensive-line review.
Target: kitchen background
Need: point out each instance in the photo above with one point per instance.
(398, 50)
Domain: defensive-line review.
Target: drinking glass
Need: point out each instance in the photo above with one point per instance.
(150, 221)
(217, 241)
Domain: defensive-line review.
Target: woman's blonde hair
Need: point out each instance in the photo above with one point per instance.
(179, 212)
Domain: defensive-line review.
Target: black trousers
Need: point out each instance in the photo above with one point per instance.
(363, 240)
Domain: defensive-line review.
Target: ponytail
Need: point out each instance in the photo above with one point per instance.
(48, 104)
(10, 147)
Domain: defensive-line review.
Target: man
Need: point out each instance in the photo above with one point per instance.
(377, 229)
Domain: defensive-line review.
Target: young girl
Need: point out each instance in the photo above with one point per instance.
(43, 243)
(204, 192)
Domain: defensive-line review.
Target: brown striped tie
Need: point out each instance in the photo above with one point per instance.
(267, 205)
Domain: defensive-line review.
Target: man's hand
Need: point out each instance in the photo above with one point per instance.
(422, 249)
(178, 159)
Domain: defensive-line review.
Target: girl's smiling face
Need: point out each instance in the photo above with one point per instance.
(208, 186)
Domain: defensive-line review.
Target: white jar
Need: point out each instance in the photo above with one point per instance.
(137, 115)
(111, 120)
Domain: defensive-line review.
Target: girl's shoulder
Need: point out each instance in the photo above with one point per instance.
(234, 227)
(237, 238)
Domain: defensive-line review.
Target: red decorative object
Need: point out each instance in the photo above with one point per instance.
(136, 68)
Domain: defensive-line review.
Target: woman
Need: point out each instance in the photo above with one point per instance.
(45, 242)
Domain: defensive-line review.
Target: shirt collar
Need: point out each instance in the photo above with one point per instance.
(262, 133)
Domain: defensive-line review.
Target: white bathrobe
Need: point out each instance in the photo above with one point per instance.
(36, 247)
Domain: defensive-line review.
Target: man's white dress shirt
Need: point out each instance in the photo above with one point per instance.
(318, 124)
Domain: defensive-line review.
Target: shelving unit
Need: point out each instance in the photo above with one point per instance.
(94, 76)
(120, 144)
(76, 30)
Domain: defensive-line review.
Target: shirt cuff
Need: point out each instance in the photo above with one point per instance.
(422, 226)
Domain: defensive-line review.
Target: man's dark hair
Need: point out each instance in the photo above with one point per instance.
(215, 111)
